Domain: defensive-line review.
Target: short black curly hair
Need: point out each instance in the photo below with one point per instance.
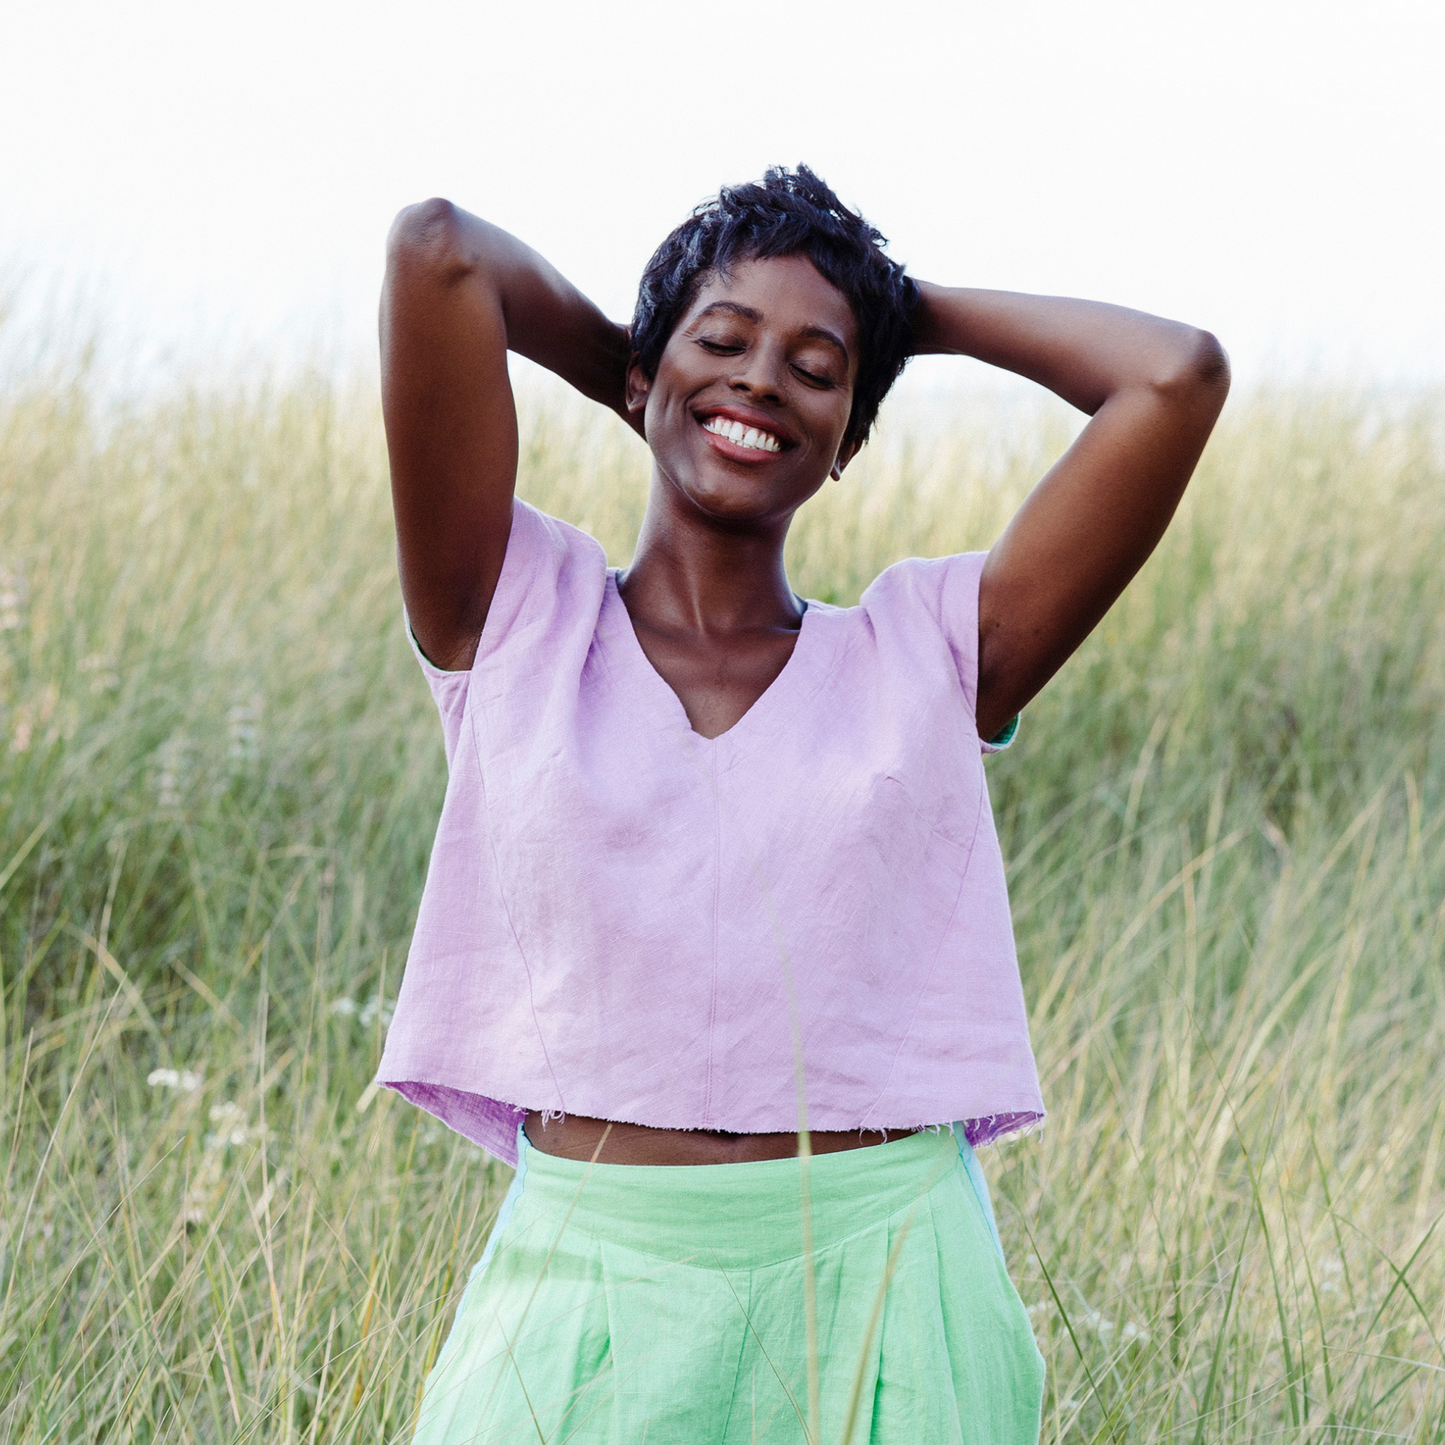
(788, 212)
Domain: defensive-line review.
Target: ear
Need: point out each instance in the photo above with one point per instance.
(845, 455)
(638, 386)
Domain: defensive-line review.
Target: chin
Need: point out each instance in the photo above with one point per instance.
(725, 496)
(728, 501)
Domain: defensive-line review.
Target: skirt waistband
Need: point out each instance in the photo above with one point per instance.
(735, 1214)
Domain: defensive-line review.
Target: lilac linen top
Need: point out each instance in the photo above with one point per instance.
(627, 920)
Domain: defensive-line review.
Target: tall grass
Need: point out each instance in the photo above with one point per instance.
(219, 774)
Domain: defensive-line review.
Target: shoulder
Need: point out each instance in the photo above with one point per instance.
(943, 588)
(552, 571)
(537, 532)
(926, 608)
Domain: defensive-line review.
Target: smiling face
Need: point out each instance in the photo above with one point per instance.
(746, 414)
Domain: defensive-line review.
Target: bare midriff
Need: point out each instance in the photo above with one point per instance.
(574, 1136)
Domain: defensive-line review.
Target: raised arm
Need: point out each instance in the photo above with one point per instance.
(1153, 389)
(459, 293)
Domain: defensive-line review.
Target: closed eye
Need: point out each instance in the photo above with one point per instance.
(812, 378)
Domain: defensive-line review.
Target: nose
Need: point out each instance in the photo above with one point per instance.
(758, 373)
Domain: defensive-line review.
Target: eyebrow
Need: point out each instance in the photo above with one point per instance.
(750, 313)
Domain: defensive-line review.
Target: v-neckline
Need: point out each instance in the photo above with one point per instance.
(671, 702)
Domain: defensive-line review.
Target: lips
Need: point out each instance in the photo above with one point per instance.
(743, 433)
(744, 436)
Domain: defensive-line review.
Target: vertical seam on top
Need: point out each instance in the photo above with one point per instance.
(983, 802)
(506, 904)
(716, 919)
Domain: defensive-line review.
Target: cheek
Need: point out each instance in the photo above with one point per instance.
(673, 418)
(668, 426)
(831, 421)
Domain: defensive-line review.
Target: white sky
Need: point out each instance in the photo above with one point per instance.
(1270, 169)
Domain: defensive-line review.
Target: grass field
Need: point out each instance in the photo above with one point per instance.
(219, 774)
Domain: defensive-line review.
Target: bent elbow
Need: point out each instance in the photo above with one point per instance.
(1209, 362)
(1200, 367)
(426, 235)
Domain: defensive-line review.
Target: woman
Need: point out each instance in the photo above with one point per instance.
(715, 926)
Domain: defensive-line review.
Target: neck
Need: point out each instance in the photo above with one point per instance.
(693, 572)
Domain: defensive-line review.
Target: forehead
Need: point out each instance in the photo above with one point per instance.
(787, 291)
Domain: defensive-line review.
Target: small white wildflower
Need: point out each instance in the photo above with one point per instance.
(186, 1080)
(210, 1175)
(232, 1126)
(375, 1006)
(1331, 1268)
(172, 770)
(242, 725)
(103, 674)
(1131, 1331)
(12, 598)
(346, 1007)
(32, 715)
(1035, 1310)
(1100, 1326)
(205, 1186)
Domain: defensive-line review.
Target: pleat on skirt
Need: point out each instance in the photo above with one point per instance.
(628, 1304)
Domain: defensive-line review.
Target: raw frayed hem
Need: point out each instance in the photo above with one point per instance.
(980, 1132)
(1001, 1128)
(492, 1123)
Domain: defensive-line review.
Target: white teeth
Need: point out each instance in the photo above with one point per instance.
(744, 436)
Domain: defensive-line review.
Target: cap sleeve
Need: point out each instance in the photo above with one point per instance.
(551, 573)
(942, 592)
(448, 691)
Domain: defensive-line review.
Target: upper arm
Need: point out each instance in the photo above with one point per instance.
(1088, 526)
(451, 427)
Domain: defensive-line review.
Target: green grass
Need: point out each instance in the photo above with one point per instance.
(220, 771)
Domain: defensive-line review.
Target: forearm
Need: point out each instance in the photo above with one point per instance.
(1154, 389)
(543, 316)
(1084, 351)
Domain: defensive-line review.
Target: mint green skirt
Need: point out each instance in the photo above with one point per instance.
(629, 1304)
